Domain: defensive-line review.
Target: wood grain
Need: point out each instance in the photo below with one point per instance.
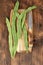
(34, 58)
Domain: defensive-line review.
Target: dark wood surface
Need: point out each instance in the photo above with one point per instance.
(34, 58)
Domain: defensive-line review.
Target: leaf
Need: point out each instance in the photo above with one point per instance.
(17, 14)
(19, 24)
(23, 20)
(25, 12)
(10, 36)
(25, 37)
(15, 44)
(30, 8)
(16, 6)
(19, 29)
(14, 18)
(8, 25)
(14, 33)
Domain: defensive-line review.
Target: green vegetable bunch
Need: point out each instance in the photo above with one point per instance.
(15, 34)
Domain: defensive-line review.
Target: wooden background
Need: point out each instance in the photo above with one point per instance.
(34, 58)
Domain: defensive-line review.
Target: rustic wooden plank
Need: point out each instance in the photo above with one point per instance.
(37, 53)
(26, 59)
(36, 57)
(4, 52)
(16, 60)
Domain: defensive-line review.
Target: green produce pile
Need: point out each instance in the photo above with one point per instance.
(17, 28)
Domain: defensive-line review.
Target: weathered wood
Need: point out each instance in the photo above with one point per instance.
(34, 58)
